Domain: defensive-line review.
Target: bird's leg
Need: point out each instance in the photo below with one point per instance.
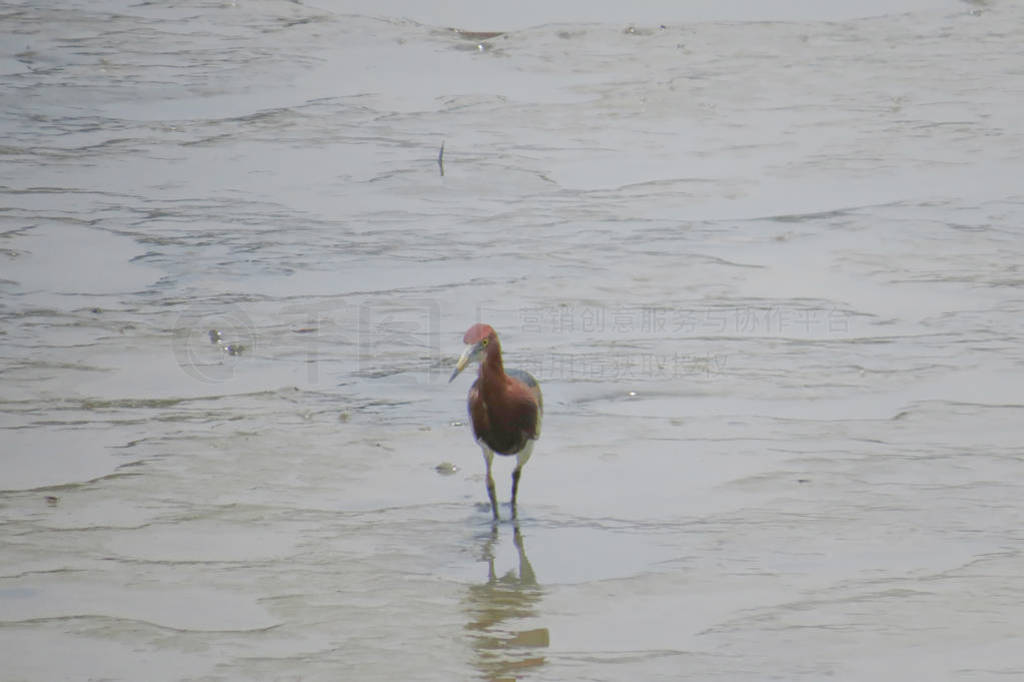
(515, 487)
(521, 458)
(489, 458)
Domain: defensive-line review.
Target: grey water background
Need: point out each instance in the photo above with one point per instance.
(765, 258)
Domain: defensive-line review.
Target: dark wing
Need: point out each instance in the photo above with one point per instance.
(531, 384)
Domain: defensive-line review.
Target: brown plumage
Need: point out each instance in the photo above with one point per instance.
(505, 408)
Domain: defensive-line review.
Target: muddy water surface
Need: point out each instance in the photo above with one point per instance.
(765, 261)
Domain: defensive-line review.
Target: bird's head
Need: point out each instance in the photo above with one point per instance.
(477, 339)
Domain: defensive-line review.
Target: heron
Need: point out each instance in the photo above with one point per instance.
(505, 407)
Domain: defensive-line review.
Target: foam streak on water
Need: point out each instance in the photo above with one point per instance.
(765, 261)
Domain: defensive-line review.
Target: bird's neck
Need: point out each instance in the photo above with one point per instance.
(492, 367)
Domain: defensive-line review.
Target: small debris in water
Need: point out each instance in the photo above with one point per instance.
(632, 394)
(214, 336)
(446, 468)
(344, 417)
(52, 500)
(803, 480)
(456, 422)
(475, 35)
(96, 311)
(234, 349)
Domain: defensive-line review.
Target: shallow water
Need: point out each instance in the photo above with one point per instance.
(765, 261)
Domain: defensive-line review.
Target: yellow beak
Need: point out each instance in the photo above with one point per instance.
(461, 364)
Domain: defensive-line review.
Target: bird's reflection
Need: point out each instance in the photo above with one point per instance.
(496, 606)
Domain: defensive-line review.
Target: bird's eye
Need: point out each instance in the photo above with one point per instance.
(483, 342)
